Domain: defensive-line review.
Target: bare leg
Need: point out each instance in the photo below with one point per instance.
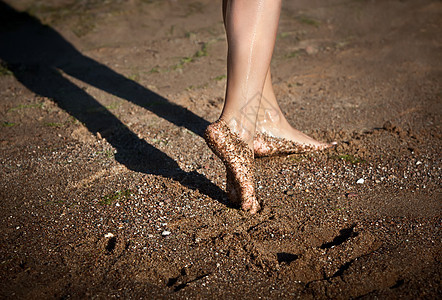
(272, 121)
(270, 118)
(251, 32)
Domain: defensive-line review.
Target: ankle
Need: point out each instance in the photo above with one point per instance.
(238, 126)
(269, 118)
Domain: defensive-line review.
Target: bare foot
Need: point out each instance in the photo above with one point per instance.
(237, 157)
(275, 136)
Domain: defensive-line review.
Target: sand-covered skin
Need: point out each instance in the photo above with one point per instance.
(109, 190)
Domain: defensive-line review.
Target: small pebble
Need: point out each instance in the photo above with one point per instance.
(311, 50)
(289, 192)
(165, 233)
(108, 235)
(360, 181)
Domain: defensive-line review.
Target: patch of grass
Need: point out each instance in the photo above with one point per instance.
(110, 198)
(296, 158)
(308, 21)
(351, 159)
(190, 34)
(107, 153)
(8, 124)
(4, 71)
(53, 124)
(73, 120)
(220, 77)
(283, 35)
(182, 62)
(342, 44)
(201, 86)
(154, 70)
(188, 59)
(23, 106)
(294, 54)
(133, 77)
(203, 51)
(286, 34)
(293, 35)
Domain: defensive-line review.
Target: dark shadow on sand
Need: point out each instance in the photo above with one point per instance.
(37, 55)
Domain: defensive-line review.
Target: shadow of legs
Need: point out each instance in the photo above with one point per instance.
(134, 153)
(34, 52)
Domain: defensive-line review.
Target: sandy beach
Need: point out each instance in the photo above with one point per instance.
(109, 190)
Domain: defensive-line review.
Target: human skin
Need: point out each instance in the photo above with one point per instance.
(251, 28)
(269, 118)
